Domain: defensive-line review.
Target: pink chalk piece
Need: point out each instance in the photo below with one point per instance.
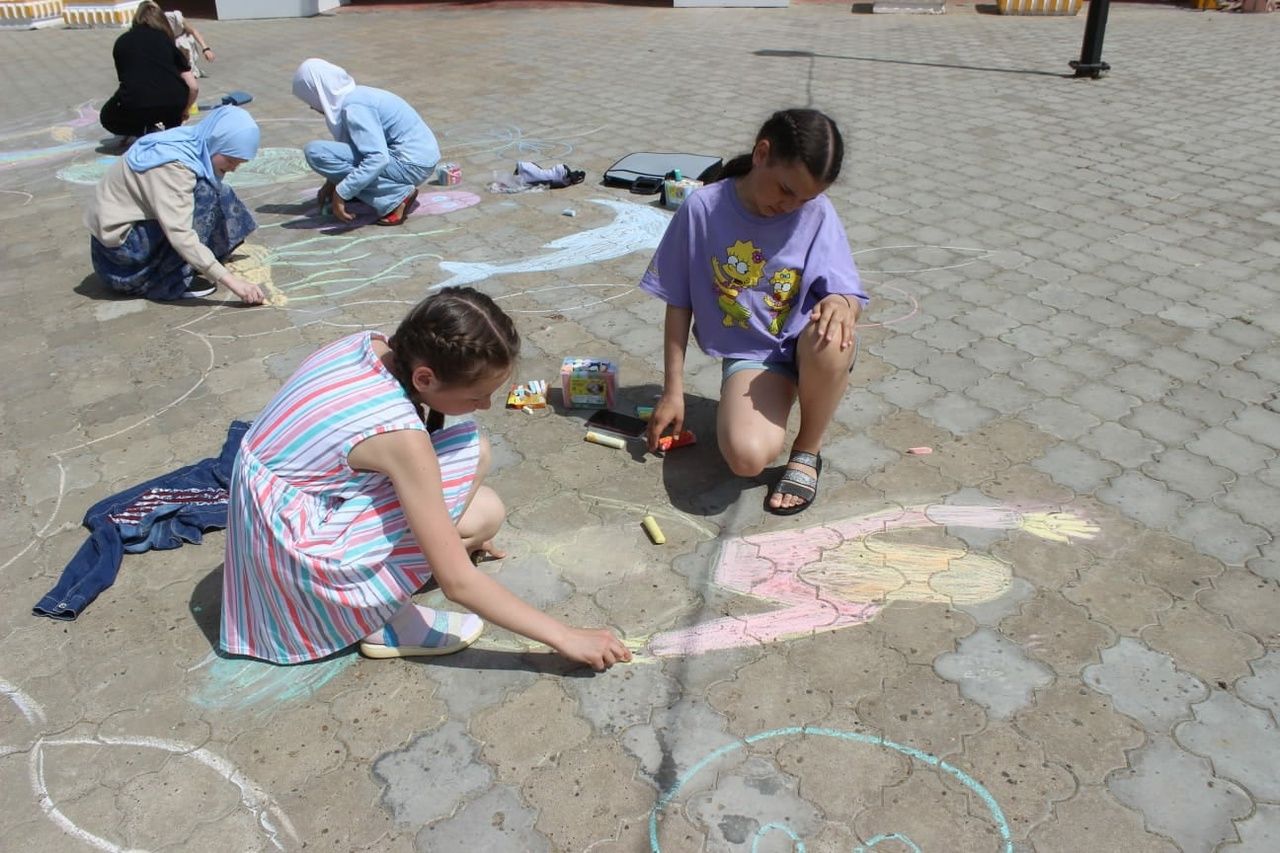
(919, 451)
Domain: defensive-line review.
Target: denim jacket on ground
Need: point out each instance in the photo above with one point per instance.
(162, 513)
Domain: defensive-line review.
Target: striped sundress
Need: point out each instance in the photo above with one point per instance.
(319, 556)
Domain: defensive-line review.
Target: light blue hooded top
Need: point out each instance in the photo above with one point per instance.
(227, 130)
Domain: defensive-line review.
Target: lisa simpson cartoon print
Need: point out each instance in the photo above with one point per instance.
(741, 271)
(786, 284)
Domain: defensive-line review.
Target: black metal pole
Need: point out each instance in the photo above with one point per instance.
(1090, 63)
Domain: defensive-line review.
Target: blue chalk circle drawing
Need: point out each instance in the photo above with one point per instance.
(893, 836)
(997, 815)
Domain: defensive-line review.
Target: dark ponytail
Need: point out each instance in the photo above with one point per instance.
(798, 135)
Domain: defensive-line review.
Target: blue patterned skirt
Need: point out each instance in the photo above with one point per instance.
(146, 265)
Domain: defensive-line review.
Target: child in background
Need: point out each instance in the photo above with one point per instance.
(189, 41)
(381, 149)
(760, 265)
(343, 504)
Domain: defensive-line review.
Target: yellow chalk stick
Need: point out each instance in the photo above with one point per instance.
(655, 532)
(606, 440)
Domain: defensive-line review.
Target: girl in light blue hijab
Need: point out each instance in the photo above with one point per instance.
(229, 131)
(162, 214)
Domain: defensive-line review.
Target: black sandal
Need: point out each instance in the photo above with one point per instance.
(797, 483)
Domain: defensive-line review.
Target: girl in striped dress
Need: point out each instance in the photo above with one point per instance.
(344, 503)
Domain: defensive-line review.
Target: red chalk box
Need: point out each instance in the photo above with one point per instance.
(588, 383)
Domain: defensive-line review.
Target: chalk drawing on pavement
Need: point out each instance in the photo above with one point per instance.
(843, 573)
(994, 813)
(576, 292)
(430, 203)
(271, 166)
(510, 142)
(933, 258)
(270, 820)
(241, 684)
(64, 134)
(327, 266)
(635, 227)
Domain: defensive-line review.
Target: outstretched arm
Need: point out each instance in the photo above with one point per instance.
(675, 342)
(407, 457)
(205, 50)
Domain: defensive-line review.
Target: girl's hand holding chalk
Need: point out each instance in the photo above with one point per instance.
(681, 439)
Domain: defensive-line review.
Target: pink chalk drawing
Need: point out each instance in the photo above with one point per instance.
(843, 573)
(445, 201)
(429, 203)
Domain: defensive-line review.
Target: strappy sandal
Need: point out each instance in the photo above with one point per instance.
(401, 212)
(449, 632)
(798, 483)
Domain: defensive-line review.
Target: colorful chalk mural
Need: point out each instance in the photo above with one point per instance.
(271, 166)
(635, 227)
(335, 261)
(69, 138)
(842, 573)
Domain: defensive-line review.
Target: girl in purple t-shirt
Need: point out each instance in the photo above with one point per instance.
(759, 264)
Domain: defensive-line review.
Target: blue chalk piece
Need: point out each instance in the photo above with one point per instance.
(237, 98)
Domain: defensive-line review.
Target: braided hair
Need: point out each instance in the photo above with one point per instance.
(797, 135)
(460, 333)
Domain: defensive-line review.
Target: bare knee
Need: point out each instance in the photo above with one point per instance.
(817, 353)
(748, 459)
(483, 518)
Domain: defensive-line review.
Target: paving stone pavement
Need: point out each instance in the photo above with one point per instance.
(1068, 620)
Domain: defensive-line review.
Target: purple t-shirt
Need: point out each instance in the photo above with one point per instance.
(750, 280)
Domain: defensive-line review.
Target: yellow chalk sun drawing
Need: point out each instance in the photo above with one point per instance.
(253, 264)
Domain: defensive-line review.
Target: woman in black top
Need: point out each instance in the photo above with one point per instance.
(156, 83)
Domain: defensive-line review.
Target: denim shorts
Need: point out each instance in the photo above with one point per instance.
(730, 366)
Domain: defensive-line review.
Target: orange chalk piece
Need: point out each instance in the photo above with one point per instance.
(671, 442)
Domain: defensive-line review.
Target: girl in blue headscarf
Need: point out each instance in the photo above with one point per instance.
(162, 214)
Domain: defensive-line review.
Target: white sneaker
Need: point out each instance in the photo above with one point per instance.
(199, 292)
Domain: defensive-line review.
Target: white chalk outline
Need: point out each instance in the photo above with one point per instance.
(271, 819)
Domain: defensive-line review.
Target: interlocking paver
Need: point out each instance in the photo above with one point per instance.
(1180, 796)
(1222, 717)
(1145, 685)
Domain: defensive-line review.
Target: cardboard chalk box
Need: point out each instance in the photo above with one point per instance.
(676, 191)
(589, 383)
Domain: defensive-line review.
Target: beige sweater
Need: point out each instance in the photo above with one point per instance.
(166, 194)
